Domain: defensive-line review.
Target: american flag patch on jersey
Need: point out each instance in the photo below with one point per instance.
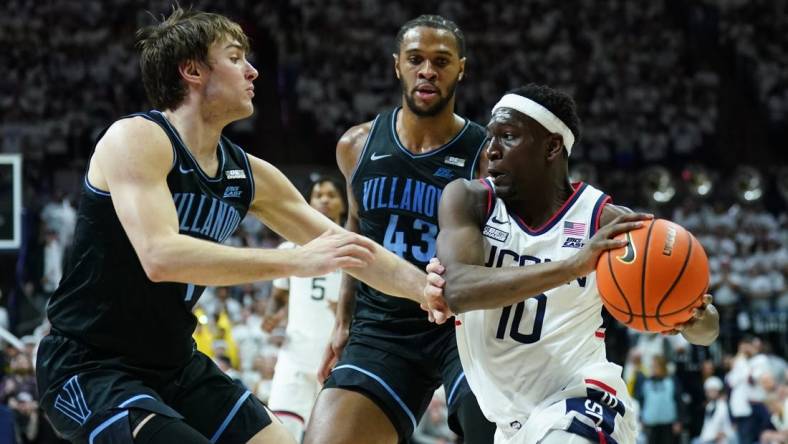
(574, 229)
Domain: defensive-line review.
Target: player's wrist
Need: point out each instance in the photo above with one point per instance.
(574, 266)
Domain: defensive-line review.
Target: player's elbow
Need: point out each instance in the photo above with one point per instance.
(457, 295)
(157, 268)
(454, 301)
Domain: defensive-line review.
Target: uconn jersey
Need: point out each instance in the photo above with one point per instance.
(397, 195)
(107, 301)
(531, 362)
(309, 316)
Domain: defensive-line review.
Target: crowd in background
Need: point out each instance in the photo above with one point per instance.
(648, 78)
(656, 83)
(736, 389)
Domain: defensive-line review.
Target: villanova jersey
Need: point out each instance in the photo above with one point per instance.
(518, 356)
(397, 194)
(106, 300)
(310, 319)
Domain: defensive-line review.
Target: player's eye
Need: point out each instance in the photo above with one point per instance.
(414, 60)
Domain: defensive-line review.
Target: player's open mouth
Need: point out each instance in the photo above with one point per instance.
(495, 175)
(426, 91)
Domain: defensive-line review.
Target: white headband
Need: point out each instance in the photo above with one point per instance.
(539, 113)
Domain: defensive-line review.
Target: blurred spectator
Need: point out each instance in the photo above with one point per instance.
(717, 426)
(659, 398)
(26, 417)
(754, 375)
(777, 404)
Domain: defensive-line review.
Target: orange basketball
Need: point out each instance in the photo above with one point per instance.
(656, 281)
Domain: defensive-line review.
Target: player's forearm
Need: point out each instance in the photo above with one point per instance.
(704, 331)
(474, 287)
(392, 275)
(185, 259)
(278, 301)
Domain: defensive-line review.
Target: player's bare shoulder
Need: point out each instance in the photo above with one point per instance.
(469, 197)
(127, 133)
(128, 147)
(350, 146)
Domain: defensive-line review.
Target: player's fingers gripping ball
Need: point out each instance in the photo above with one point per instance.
(657, 280)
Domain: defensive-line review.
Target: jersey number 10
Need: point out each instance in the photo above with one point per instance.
(514, 332)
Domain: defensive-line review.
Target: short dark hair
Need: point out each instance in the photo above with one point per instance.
(338, 184)
(558, 102)
(184, 35)
(433, 21)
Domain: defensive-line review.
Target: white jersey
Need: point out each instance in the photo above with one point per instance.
(519, 358)
(309, 317)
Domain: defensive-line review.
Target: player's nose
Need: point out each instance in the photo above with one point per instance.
(251, 72)
(427, 71)
(493, 149)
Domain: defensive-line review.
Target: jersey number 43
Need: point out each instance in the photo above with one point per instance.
(394, 240)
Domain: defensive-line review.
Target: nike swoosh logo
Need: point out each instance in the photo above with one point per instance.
(629, 255)
(376, 156)
(495, 219)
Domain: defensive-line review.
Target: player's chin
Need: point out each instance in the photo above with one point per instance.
(247, 109)
(504, 191)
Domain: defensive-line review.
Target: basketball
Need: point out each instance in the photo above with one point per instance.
(656, 281)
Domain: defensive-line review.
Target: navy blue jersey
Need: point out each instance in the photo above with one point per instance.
(106, 300)
(397, 194)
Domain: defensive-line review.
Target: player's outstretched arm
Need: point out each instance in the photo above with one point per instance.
(132, 161)
(469, 285)
(282, 208)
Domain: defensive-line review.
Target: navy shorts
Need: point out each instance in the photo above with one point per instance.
(401, 378)
(87, 395)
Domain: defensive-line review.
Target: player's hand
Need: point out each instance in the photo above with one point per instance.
(334, 249)
(271, 321)
(434, 304)
(698, 314)
(584, 262)
(339, 338)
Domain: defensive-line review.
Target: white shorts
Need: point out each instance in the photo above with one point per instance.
(293, 391)
(595, 404)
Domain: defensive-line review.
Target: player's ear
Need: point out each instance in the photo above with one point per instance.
(190, 71)
(396, 65)
(462, 70)
(555, 146)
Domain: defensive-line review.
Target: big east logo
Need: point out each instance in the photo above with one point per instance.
(573, 242)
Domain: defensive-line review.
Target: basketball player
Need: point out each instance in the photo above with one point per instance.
(163, 189)
(530, 338)
(310, 304)
(396, 167)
